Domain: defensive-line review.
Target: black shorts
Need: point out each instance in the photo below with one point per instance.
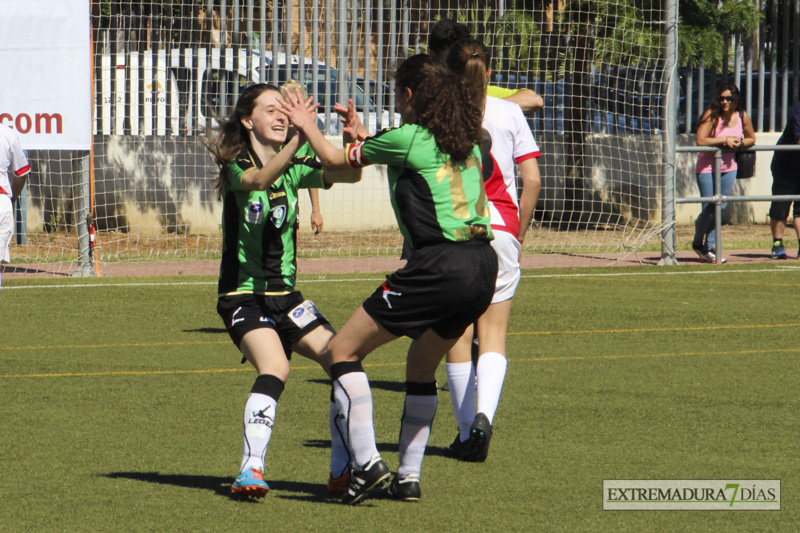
(290, 316)
(444, 287)
(785, 182)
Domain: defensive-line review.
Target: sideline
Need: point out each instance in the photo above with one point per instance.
(381, 279)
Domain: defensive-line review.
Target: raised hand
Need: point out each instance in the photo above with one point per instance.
(301, 114)
(351, 122)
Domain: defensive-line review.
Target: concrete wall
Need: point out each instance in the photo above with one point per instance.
(153, 185)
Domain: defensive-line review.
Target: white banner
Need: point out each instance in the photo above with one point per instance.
(45, 60)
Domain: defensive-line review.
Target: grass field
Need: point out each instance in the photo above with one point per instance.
(121, 401)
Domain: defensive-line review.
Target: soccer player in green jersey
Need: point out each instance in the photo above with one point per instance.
(433, 167)
(266, 317)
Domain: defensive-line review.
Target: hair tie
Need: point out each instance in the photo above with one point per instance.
(475, 54)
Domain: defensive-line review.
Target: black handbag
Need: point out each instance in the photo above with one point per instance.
(745, 161)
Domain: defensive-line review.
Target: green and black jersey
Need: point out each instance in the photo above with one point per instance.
(259, 228)
(435, 199)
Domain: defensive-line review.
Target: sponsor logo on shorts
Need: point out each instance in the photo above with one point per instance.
(266, 319)
(298, 312)
(235, 320)
(388, 292)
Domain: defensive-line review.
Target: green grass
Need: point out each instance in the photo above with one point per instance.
(121, 399)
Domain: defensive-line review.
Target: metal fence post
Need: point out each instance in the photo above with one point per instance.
(717, 206)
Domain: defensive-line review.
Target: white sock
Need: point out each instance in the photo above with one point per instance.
(461, 378)
(491, 373)
(354, 400)
(415, 429)
(340, 457)
(259, 416)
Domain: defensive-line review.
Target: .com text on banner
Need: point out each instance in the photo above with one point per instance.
(45, 55)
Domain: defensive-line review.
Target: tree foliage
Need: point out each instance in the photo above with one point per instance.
(704, 25)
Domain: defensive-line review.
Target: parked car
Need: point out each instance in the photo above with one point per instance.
(220, 87)
(623, 100)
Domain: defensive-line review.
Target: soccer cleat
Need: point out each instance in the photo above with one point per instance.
(250, 484)
(778, 250)
(336, 487)
(477, 447)
(457, 448)
(364, 479)
(405, 490)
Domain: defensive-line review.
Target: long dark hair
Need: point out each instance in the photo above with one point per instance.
(716, 109)
(443, 103)
(470, 59)
(227, 140)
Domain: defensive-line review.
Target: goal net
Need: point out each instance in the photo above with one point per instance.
(163, 69)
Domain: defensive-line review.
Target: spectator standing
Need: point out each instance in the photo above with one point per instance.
(785, 181)
(721, 125)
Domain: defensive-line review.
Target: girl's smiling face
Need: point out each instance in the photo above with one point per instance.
(266, 124)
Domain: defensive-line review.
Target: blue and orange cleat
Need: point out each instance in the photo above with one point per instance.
(250, 484)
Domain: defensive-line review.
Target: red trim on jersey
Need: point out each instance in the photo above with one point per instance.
(525, 157)
(24, 170)
(498, 195)
(3, 191)
(506, 229)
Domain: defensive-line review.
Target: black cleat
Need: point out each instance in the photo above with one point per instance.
(477, 447)
(405, 490)
(364, 479)
(457, 448)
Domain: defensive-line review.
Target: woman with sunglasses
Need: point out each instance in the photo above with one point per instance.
(721, 125)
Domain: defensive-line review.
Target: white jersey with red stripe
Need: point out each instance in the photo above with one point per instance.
(12, 158)
(512, 143)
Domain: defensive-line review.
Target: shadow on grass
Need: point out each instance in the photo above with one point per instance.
(388, 447)
(383, 447)
(391, 386)
(220, 485)
(206, 330)
(315, 492)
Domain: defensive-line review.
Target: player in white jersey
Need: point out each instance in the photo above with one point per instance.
(510, 142)
(13, 169)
